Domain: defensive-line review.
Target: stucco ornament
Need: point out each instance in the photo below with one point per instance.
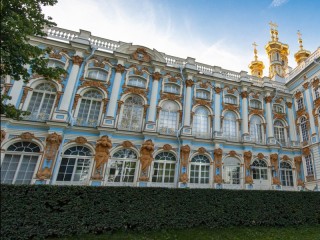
(167, 147)
(217, 157)
(297, 162)
(202, 150)
(146, 154)
(103, 146)
(274, 161)
(27, 136)
(81, 140)
(217, 179)
(248, 179)
(276, 181)
(184, 178)
(247, 159)
(127, 144)
(185, 151)
(53, 143)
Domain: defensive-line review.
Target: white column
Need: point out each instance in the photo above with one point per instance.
(292, 124)
(15, 92)
(66, 98)
(268, 100)
(217, 110)
(187, 103)
(115, 90)
(307, 97)
(153, 102)
(244, 116)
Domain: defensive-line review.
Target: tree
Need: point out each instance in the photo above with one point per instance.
(19, 20)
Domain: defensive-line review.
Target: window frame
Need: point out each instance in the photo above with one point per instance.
(286, 174)
(98, 70)
(203, 167)
(133, 77)
(172, 85)
(228, 168)
(165, 170)
(166, 115)
(229, 97)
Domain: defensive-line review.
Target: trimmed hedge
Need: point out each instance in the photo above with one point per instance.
(36, 212)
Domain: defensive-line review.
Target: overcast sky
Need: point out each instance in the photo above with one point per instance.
(214, 32)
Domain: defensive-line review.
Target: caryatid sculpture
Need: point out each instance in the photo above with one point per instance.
(103, 146)
(146, 158)
(218, 164)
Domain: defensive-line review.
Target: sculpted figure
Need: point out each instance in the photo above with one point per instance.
(185, 151)
(276, 181)
(218, 157)
(274, 161)
(146, 154)
(218, 179)
(247, 159)
(102, 155)
(248, 179)
(184, 178)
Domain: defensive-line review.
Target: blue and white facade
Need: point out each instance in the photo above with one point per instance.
(211, 127)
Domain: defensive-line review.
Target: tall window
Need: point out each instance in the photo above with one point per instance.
(122, 166)
(75, 165)
(309, 165)
(201, 122)
(231, 171)
(300, 103)
(202, 94)
(163, 168)
(279, 132)
(230, 99)
(200, 169)
(304, 129)
(97, 74)
(19, 163)
(278, 108)
(41, 103)
(171, 88)
(286, 174)
(317, 92)
(256, 129)
(255, 104)
(132, 114)
(230, 125)
(260, 170)
(89, 110)
(168, 121)
(137, 82)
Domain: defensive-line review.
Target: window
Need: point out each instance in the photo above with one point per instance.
(231, 171)
(164, 168)
(171, 88)
(300, 103)
(286, 174)
(19, 163)
(200, 170)
(41, 103)
(317, 92)
(89, 109)
(259, 170)
(279, 132)
(309, 165)
(132, 114)
(230, 125)
(137, 82)
(201, 122)
(255, 104)
(97, 74)
(75, 165)
(278, 108)
(202, 94)
(304, 129)
(256, 129)
(55, 64)
(122, 166)
(230, 99)
(168, 121)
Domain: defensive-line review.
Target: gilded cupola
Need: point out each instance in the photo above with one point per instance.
(256, 66)
(302, 54)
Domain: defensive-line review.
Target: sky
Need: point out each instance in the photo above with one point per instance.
(214, 32)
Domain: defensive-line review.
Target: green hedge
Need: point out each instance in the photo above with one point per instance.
(37, 212)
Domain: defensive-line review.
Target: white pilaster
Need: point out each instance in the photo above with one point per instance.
(309, 107)
(115, 90)
(187, 105)
(217, 109)
(244, 116)
(15, 92)
(268, 100)
(292, 124)
(153, 102)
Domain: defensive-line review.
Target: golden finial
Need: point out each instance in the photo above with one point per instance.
(300, 39)
(255, 51)
(273, 31)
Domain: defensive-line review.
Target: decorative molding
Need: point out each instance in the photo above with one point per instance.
(232, 153)
(119, 106)
(120, 69)
(156, 76)
(297, 163)
(184, 178)
(218, 90)
(254, 111)
(244, 94)
(274, 160)
(297, 95)
(170, 96)
(184, 153)
(204, 85)
(279, 115)
(230, 107)
(27, 136)
(80, 140)
(145, 108)
(99, 64)
(315, 83)
(141, 55)
(2, 135)
(138, 91)
(218, 157)
(247, 159)
(102, 155)
(268, 99)
(127, 144)
(25, 93)
(189, 83)
(285, 158)
(260, 156)
(203, 102)
(55, 55)
(59, 94)
(202, 150)
(305, 85)
(289, 104)
(301, 112)
(92, 83)
(279, 100)
(306, 151)
(77, 60)
(76, 100)
(167, 147)
(146, 157)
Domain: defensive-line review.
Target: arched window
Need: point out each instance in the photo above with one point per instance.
(231, 170)
(230, 125)
(304, 129)
(300, 103)
(171, 88)
(41, 103)
(200, 169)
(279, 132)
(89, 109)
(256, 129)
(137, 82)
(202, 94)
(19, 163)
(255, 104)
(278, 108)
(201, 122)
(122, 166)
(164, 168)
(97, 74)
(286, 174)
(168, 121)
(55, 64)
(259, 170)
(230, 99)
(75, 165)
(132, 114)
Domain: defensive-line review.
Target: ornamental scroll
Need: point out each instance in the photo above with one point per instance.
(103, 146)
(146, 157)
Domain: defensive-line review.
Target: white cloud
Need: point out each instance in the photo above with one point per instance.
(278, 3)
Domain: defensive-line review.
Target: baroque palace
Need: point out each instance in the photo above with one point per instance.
(127, 115)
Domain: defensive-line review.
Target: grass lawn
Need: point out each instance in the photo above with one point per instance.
(234, 233)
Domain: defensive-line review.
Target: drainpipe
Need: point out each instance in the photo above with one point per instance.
(179, 131)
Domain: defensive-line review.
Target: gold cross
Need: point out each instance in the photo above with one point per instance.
(299, 34)
(254, 44)
(273, 25)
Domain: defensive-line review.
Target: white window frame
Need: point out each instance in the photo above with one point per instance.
(230, 99)
(304, 130)
(261, 171)
(277, 134)
(230, 134)
(278, 108)
(254, 102)
(286, 174)
(228, 171)
(171, 85)
(98, 72)
(53, 63)
(165, 162)
(254, 130)
(300, 104)
(139, 80)
(201, 166)
(309, 165)
(201, 123)
(203, 94)
(167, 115)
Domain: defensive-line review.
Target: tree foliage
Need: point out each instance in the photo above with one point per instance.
(21, 19)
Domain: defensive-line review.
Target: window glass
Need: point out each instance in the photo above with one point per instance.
(309, 165)
(171, 88)
(202, 94)
(164, 168)
(304, 129)
(230, 99)
(279, 132)
(132, 114)
(286, 174)
(230, 125)
(137, 82)
(200, 170)
(231, 171)
(278, 108)
(255, 104)
(256, 129)
(168, 120)
(259, 170)
(97, 74)
(201, 121)
(300, 103)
